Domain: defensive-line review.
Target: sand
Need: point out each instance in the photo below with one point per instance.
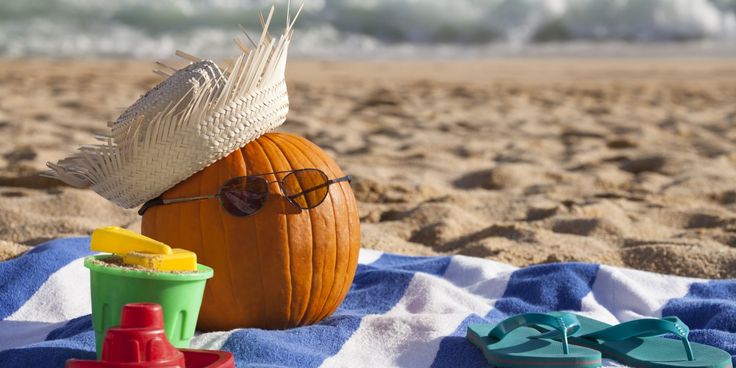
(623, 162)
(117, 262)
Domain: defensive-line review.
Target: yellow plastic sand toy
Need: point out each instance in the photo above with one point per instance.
(139, 250)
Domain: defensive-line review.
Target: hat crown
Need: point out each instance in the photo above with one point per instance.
(177, 90)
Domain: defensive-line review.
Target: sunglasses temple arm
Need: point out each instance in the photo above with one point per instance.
(188, 199)
(346, 178)
(161, 202)
(151, 203)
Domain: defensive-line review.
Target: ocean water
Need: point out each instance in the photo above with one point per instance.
(369, 28)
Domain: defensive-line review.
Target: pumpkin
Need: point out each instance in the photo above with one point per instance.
(280, 267)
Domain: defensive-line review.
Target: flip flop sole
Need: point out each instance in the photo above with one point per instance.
(529, 353)
(634, 362)
(650, 352)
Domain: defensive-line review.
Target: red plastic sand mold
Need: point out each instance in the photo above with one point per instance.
(140, 341)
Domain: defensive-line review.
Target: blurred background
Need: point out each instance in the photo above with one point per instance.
(373, 28)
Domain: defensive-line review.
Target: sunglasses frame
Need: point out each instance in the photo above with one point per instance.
(158, 201)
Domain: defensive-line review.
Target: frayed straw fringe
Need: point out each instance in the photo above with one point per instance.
(195, 117)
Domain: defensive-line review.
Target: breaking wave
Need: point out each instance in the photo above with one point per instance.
(144, 28)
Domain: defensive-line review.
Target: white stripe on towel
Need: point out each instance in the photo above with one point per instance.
(620, 294)
(210, 340)
(432, 308)
(368, 256)
(64, 296)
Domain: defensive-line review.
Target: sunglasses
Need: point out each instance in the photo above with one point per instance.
(245, 195)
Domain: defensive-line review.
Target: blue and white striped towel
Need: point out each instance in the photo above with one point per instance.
(401, 311)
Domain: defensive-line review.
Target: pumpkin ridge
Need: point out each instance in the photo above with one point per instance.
(337, 294)
(262, 303)
(313, 298)
(226, 225)
(330, 294)
(269, 153)
(291, 272)
(301, 309)
(352, 262)
(200, 244)
(223, 223)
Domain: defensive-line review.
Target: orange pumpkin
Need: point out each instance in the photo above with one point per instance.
(281, 267)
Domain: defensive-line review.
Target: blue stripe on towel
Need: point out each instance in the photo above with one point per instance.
(376, 289)
(431, 265)
(709, 309)
(379, 286)
(52, 353)
(74, 327)
(17, 284)
(548, 287)
(74, 340)
(455, 351)
(41, 356)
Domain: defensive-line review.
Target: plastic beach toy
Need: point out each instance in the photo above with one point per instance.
(515, 343)
(140, 250)
(179, 293)
(140, 342)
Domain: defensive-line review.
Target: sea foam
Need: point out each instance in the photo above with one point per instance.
(142, 28)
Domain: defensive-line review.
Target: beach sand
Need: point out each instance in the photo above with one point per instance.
(623, 162)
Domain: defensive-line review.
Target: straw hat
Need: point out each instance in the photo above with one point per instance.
(198, 115)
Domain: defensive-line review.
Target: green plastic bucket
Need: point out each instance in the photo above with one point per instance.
(180, 296)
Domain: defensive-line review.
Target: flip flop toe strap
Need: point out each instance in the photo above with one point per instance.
(645, 327)
(563, 325)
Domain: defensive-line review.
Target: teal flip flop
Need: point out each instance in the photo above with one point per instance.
(511, 344)
(638, 343)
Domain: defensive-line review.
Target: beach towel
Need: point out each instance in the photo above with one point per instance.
(402, 311)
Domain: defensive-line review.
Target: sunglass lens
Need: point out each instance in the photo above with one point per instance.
(306, 188)
(244, 196)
